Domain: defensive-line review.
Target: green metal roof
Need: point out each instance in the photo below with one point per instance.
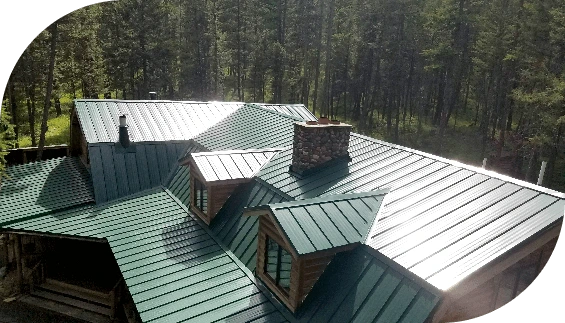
(149, 120)
(295, 110)
(116, 173)
(39, 188)
(174, 268)
(443, 220)
(232, 164)
(250, 127)
(362, 286)
(327, 222)
(239, 233)
(179, 179)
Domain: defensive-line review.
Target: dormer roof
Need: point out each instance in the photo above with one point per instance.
(323, 223)
(232, 164)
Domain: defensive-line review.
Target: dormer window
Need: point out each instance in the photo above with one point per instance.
(214, 177)
(278, 263)
(298, 239)
(200, 196)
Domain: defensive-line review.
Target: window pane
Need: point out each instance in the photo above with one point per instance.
(200, 196)
(278, 264)
(284, 274)
(272, 255)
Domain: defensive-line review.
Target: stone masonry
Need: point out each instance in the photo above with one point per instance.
(315, 144)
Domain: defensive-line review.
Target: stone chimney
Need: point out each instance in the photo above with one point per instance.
(153, 95)
(316, 143)
(123, 134)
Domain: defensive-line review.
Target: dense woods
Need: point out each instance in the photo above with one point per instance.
(464, 79)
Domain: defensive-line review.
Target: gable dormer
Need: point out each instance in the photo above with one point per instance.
(298, 239)
(215, 175)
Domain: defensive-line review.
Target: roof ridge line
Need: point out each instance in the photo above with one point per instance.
(329, 198)
(366, 236)
(264, 290)
(236, 151)
(254, 106)
(476, 169)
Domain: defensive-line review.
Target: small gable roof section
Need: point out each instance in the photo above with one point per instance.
(150, 120)
(232, 164)
(324, 223)
(35, 189)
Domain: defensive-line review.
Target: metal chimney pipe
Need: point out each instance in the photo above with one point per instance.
(123, 134)
(484, 163)
(542, 172)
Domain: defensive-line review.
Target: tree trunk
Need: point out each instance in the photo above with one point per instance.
(318, 54)
(47, 103)
(14, 109)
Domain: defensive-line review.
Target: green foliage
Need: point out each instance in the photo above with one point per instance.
(401, 70)
(57, 132)
(6, 140)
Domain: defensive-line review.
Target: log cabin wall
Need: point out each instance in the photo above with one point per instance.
(500, 289)
(218, 195)
(78, 145)
(311, 268)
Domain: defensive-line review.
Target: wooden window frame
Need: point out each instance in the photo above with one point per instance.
(199, 186)
(276, 280)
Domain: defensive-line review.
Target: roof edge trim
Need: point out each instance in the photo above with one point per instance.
(476, 169)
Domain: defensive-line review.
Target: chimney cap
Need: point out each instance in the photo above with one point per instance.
(323, 120)
(123, 120)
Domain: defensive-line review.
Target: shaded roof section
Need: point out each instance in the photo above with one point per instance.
(116, 173)
(250, 127)
(149, 120)
(173, 267)
(295, 110)
(179, 182)
(239, 233)
(327, 222)
(232, 164)
(361, 286)
(443, 220)
(39, 188)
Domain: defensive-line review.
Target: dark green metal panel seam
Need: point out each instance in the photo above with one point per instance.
(33, 217)
(389, 300)
(241, 266)
(400, 269)
(492, 238)
(352, 289)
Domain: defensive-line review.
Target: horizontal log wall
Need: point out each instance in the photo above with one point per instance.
(217, 196)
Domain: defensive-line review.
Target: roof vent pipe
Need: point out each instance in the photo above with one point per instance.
(153, 95)
(124, 135)
(542, 172)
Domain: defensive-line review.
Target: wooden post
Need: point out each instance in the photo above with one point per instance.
(19, 269)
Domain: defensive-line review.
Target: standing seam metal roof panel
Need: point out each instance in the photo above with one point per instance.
(116, 174)
(43, 187)
(357, 286)
(149, 120)
(321, 223)
(232, 164)
(174, 268)
(426, 206)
